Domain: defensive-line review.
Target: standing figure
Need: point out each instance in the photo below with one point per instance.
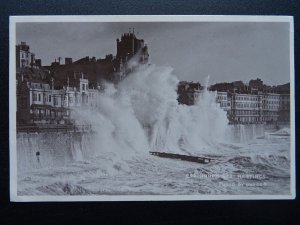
(38, 159)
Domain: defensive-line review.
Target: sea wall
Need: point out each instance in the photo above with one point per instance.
(245, 133)
(49, 149)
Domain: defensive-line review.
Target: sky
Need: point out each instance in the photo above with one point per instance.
(224, 51)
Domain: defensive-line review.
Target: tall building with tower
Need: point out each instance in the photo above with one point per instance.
(131, 52)
(25, 58)
(130, 46)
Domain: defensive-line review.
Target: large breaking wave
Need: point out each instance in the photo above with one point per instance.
(142, 114)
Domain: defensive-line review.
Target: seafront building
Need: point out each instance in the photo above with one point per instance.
(40, 103)
(188, 92)
(224, 100)
(284, 108)
(39, 100)
(254, 103)
(246, 108)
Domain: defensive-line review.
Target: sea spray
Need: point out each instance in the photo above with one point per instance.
(141, 114)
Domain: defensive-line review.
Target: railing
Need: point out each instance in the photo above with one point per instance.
(34, 128)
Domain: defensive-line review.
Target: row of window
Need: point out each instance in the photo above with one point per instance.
(38, 98)
(77, 99)
(271, 96)
(255, 98)
(254, 119)
(247, 98)
(49, 113)
(221, 97)
(271, 102)
(247, 119)
(255, 112)
(224, 104)
(247, 112)
(247, 105)
(39, 86)
(271, 107)
(265, 105)
(270, 113)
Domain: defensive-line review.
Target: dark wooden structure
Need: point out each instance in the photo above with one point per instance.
(189, 158)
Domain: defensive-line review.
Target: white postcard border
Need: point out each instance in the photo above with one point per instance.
(139, 18)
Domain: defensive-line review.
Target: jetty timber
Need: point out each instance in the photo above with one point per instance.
(189, 158)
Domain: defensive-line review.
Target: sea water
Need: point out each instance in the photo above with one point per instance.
(139, 115)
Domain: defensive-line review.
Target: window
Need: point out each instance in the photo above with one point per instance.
(34, 97)
(39, 97)
(49, 98)
(55, 101)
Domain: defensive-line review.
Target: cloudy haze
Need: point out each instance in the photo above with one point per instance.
(226, 51)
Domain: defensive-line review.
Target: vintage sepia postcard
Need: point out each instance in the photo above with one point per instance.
(143, 108)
